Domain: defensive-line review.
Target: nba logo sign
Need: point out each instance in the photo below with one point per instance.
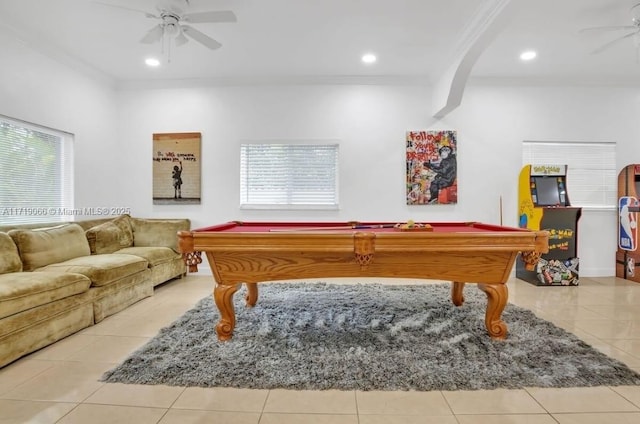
(627, 224)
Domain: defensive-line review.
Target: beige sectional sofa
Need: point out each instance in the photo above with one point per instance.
(61, 278)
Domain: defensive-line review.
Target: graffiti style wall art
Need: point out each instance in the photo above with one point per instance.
(432, 169)
(176, 168)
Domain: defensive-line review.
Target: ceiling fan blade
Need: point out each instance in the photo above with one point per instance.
(147, 14)
(210, 17)
(612, 42)
(153, 35)
(201, 37)
(608, 28)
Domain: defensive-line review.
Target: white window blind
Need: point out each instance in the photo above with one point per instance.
(36, 173)
(591, 169)
(289, 175)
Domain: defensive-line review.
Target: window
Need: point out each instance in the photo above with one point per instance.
(36, 173)
(592, 180)
(289, 176)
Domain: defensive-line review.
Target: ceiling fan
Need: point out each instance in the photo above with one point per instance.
(634, 28)
(173, 22)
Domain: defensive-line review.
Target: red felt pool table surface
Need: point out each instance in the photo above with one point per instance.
(266, 227)
(460, 252)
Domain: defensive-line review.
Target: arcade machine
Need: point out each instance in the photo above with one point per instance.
(543, 204)
(628, 255)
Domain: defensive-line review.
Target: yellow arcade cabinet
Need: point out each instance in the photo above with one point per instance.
(628, 254)
(543, 204)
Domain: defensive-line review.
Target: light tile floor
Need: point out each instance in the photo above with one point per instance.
(59, 384)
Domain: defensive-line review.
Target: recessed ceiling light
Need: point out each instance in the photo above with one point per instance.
(152, 61)
(528, 55)
(369, 58)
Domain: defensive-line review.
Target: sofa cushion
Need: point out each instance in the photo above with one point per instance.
(158, 232)
(20, 291)
(101, 269)
(110, 236)
(44, 246)
(9, 256)
(153, 255)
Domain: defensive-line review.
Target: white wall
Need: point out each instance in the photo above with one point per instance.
(368, 121)
(37, 89)
(114, 147)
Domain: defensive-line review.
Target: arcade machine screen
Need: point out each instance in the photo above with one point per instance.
(548, 192)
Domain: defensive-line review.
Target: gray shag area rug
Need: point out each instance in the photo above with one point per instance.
(367, 337)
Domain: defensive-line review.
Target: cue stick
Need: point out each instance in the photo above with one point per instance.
(500, 210)
(339, 227)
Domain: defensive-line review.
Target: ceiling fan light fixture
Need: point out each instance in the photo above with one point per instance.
(181, 39)
(171, 28)
(528, 55)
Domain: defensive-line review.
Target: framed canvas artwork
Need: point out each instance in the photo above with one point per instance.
(176, 168)
(432, 169)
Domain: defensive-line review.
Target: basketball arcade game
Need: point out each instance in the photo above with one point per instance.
(628, 255)
(543, 204)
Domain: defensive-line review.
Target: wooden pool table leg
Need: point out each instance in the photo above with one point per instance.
(497, 295)
(223, 296)
(456, 293)
(252, 294)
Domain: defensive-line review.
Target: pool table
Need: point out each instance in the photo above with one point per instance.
(460, 252)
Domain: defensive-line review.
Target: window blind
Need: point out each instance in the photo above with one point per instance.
(36, 173)
(591, 169)
(289, 175)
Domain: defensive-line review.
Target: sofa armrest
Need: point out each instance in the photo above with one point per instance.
(158, 232)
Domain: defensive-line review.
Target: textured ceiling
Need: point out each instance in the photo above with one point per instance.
(279, 40)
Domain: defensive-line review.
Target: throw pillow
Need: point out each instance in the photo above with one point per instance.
(110, 236)
(45, 246)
